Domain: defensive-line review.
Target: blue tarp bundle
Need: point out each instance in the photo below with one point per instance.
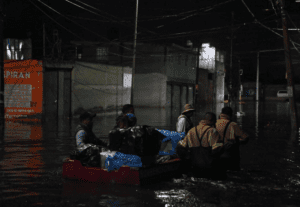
(120, 159)
(174, 136)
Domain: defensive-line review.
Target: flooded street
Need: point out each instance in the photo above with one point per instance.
(31, 165)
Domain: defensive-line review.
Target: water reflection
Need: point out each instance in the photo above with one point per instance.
(22, 159)
(256, 119)
(31, 162)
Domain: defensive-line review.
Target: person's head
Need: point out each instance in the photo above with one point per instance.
(227, 110)
(188, 110)
(86, 118)
(128, 108)
(210, 118)
(122, 122)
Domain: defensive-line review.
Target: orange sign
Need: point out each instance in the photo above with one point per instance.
(23, 88)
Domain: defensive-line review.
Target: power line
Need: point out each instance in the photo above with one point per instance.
(79, 24)
(192, 33)
(72, 20)
(55, 20)
(266, 26)
(118, 19)
(197, 12)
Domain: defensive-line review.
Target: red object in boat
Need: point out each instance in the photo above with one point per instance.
(73, 169)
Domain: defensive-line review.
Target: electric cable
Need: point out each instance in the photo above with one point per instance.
(118, 19)
(266, 26)
(55, 20)
(296, 28)
(197, 12)
(79, 24)
(273, 7)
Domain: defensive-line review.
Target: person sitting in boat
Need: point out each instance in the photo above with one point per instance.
(128, 111)
(234, 136)
(86, 141)
(116, 136)
(199, 150)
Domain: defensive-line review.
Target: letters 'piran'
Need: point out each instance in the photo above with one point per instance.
(8, 74)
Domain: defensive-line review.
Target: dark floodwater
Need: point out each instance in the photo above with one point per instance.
(31, 166)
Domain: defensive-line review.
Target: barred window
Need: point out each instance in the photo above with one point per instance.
(102, 53)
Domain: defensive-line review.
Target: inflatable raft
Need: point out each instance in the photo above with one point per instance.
(72, 169)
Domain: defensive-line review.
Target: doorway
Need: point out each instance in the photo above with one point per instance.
(57, 99)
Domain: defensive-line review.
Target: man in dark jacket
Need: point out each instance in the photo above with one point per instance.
(87, 143)
(199, 149)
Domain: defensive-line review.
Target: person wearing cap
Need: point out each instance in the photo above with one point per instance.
(184, 123)
(233, 138)
(200, 150)
(85, 137)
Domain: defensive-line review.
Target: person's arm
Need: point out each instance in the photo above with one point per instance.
(214, 141)
(80, 141)
(181, 125)
(238, 132)
(98, 141)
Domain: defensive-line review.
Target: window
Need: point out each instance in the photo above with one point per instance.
(127, 78)
(217, 56)
(221, 58)
(102, 53)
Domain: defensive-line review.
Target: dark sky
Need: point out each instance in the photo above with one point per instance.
(159, 20)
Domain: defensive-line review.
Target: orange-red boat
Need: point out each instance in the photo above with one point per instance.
(73, 169)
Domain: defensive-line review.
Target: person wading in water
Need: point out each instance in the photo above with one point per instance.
(184, 123)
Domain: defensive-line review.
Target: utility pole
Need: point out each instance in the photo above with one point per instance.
(197, 79)
(2, 119)
(230, 71)
(134, 50)
(44, 62)
(240, 82)
(44, 37)
(290, 82)
(257, 78)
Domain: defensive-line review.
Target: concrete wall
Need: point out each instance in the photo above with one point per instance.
(150, 90)
(181, 65)
(96, 86)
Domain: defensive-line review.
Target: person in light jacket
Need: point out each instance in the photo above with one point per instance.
(184, 123)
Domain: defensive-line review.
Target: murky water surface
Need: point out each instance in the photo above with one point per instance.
(31, 166)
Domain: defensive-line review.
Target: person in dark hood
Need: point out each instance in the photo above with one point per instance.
(87, 144)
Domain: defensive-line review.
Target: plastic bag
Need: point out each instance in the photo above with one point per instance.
(120, 159)
(174, 136)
